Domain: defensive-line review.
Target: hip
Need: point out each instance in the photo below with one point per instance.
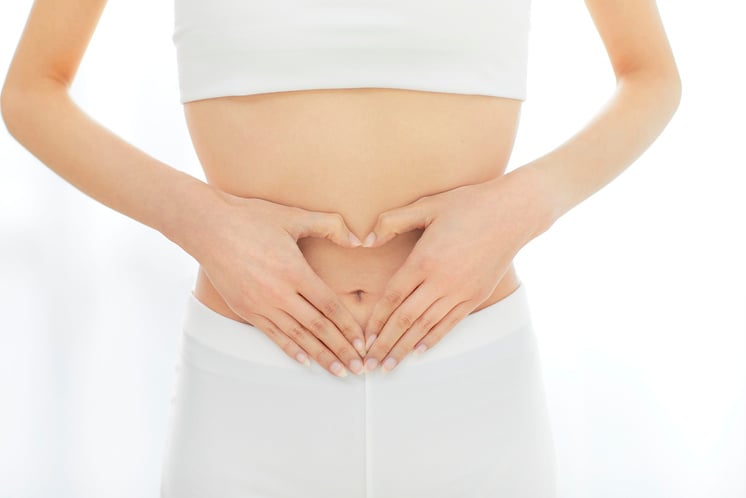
(203, 328)
(466, 419)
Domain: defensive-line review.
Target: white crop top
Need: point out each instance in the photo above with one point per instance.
(241, 47)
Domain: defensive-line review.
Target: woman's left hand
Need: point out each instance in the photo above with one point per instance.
(472, 234)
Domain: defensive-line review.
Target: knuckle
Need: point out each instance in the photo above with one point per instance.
(297, 333)
(270, 331)
(383, 219)
(404, 320)
(303, 222)
(286, 344)
(452, 321)
(426, 323)
(325, 357)
(318, 326)
(319, 222)
(392, 298)
(348, 329)
(330, 307)
(337, 220)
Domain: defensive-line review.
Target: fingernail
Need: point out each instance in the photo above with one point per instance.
(370, 364)
(370, 340)
(302, 358)
(389, 364)
(355, 241)
(356, 366)
(370, 239)
(338, 369)
(358, 343)
(420, 349)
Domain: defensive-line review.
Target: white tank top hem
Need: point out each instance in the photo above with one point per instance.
(242, 47)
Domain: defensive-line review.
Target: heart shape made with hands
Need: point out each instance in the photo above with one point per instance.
(340, 235)
(436, 286)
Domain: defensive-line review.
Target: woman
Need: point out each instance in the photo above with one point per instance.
(319, 126)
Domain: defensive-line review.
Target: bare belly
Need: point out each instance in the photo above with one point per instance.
(357, 152)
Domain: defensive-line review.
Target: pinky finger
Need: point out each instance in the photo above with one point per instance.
(444, 326)
(279, 337)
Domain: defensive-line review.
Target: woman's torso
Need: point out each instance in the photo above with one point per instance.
(357, 152)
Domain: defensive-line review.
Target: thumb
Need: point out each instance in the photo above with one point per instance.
(396, 221)
(330, 226)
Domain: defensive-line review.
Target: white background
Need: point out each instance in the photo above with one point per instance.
(637, 294)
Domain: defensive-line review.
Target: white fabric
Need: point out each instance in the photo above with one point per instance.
(467, 419)
(239, 47)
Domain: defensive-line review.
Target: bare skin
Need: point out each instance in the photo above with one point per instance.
(359, 153)
(354, 161)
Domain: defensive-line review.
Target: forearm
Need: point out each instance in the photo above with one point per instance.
(105, 167)
(626, 126)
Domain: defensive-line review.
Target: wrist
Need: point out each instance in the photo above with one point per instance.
(542, 192)
(537, 197)
(191, 209)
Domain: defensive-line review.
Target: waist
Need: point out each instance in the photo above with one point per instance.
(357, 152)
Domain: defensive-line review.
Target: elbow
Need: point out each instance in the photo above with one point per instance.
(677, 90)
(672, 92)
(19, 102)
(668, 94)
(12, 103)
(673, 88)
(7, 103)
(664, 86)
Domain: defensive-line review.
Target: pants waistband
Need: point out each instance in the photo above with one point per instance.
(247, 342)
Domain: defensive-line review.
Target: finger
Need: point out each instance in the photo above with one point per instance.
(290, 347)
(302, 336)
(318, 324)
(399, 287)
(397, 221)
(400, 321)
(416, 332)
(315, 290)
(330, 226)
(446, 324)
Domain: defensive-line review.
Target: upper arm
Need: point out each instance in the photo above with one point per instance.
(53, 41)
(633, 35)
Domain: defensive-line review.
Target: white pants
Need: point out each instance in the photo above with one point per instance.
(466, 419)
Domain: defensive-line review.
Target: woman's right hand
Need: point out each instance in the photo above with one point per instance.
(251, 256)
